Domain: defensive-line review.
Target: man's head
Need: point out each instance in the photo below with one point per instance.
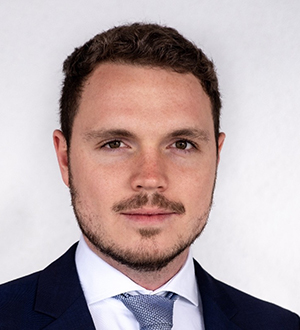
(137, 44)
(140, 144)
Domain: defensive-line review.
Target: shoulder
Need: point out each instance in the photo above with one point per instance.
(18, 290)
(252, 309)
(21, 299)
(17, 300)
(243, 309)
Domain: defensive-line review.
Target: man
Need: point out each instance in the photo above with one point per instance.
(139, 148)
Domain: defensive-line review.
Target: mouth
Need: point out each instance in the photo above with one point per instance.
(148, 215)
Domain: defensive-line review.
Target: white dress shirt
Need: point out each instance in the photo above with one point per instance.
(100, 282)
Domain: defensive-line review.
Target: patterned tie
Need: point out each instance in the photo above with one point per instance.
(151, 311)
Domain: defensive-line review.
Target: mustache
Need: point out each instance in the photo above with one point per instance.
(143, 199)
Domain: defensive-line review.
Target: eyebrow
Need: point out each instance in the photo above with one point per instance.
(106, 134)
(193, 133)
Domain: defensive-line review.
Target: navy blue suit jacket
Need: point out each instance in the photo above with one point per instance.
(53, 300)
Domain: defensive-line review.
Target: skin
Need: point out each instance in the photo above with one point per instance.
(145, 132)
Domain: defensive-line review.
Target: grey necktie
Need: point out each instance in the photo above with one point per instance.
(151, 311)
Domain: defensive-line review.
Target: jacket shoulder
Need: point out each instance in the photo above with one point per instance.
(263, 314)
(17, 293)
(244, 310)
(36, 300)
(17, 300)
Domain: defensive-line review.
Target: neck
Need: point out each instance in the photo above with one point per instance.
(150, 280)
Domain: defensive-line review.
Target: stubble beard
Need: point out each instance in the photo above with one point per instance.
(142, 259)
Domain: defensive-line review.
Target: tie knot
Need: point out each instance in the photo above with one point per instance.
(153, 312)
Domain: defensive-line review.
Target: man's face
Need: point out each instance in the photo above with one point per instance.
(142, 163)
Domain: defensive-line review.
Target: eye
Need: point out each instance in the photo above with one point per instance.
(183, 145)
(113, 144)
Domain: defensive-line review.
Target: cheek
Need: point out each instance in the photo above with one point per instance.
(99, 188)
(196, 186)
(199, 175)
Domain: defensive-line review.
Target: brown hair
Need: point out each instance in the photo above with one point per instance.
(139, 44)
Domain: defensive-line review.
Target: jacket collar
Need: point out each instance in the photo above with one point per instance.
(218, 308)
(60, 296)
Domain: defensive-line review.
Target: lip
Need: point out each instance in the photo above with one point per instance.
(148, 212)
(148, 215)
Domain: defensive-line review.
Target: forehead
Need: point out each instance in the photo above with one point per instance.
(117, 94)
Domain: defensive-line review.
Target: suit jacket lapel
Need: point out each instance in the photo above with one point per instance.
(218, 308)
(76, 317)
(60, 296)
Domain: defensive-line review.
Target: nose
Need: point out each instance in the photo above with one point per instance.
(149, 173)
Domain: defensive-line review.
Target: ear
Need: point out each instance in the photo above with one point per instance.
(220, 144)
(61, 149)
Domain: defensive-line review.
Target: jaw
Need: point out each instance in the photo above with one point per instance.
(148, 279)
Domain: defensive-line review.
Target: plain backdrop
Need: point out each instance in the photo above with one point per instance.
(252, 239)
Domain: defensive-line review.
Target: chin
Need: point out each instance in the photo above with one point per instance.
(147, 257)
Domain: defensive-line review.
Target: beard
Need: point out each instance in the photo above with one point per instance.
(145, 257)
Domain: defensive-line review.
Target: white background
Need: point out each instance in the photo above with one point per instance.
(252, 239)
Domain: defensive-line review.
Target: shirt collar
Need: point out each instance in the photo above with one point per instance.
(100, 281)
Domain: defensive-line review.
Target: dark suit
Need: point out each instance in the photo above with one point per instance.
(53, 300)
